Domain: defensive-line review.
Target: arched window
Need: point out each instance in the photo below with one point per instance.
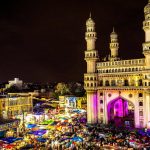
(140, 83)
(91, 84)
(101, 101)
(101, 110)
(91, 78)
(140, 94)
(101, 83)
(126, 83)
(113, 83)
(141, 113)
(140, 103)
(101, 94)
(87, 78)
(87, 84)
(129, 69)
(107, 83)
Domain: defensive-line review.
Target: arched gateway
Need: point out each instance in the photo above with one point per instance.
(120, 112)
(112, 84)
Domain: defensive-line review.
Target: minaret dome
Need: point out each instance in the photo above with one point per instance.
(90, 22)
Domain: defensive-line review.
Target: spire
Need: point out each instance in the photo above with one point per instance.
(90, 12)
(113, 29)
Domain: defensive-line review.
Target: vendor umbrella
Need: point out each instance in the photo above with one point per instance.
(40, 139)
(29, 146)
(77, 139)
(10, 140)
(31, 126)
(9, 146)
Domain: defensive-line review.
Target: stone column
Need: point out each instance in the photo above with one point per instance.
(136, 111)
(92, 107)
(146, 108)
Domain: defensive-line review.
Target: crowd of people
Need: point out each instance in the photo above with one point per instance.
(73, 133)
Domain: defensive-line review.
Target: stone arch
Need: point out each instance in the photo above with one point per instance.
(121, 108)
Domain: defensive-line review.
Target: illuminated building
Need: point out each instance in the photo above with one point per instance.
(18, 83)
(15, 104)
(72, 101)
(117, 90)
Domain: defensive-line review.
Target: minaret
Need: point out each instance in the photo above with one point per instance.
(114, 45)
(146, 28)
(90, 78)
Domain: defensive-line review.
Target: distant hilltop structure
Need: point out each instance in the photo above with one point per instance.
(16, 82)
(118, 91)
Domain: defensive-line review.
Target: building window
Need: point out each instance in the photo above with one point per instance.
(140, 82)
(101, 94)
(140, 95)
(109, 95)
(130, 95)
(113, 83)
(126, 83)
(141, 113)
(140, 103)
(101, 110)
(101, 83)
(101, 101)
(106, 83)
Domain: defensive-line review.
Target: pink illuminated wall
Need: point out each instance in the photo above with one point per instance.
(117, 108)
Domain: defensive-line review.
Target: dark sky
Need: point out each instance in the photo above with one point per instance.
(43, 40)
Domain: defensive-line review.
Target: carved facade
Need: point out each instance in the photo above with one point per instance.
(109, 81)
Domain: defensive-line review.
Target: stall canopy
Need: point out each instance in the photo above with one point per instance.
(38, 132)
(77, 139)
(11, 139)
(31, 125)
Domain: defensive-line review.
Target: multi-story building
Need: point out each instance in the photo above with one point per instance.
(14, 104)
(16, 82)
(117, 90)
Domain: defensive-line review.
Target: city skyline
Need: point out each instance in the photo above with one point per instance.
(44, 41)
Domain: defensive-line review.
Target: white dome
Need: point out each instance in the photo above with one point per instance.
(113, 34)
(147, 8)
(90, 22)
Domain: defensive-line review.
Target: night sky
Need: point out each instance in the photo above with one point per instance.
(43, 40)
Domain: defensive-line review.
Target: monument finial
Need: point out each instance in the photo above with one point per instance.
(113, 29)
(90, 14)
